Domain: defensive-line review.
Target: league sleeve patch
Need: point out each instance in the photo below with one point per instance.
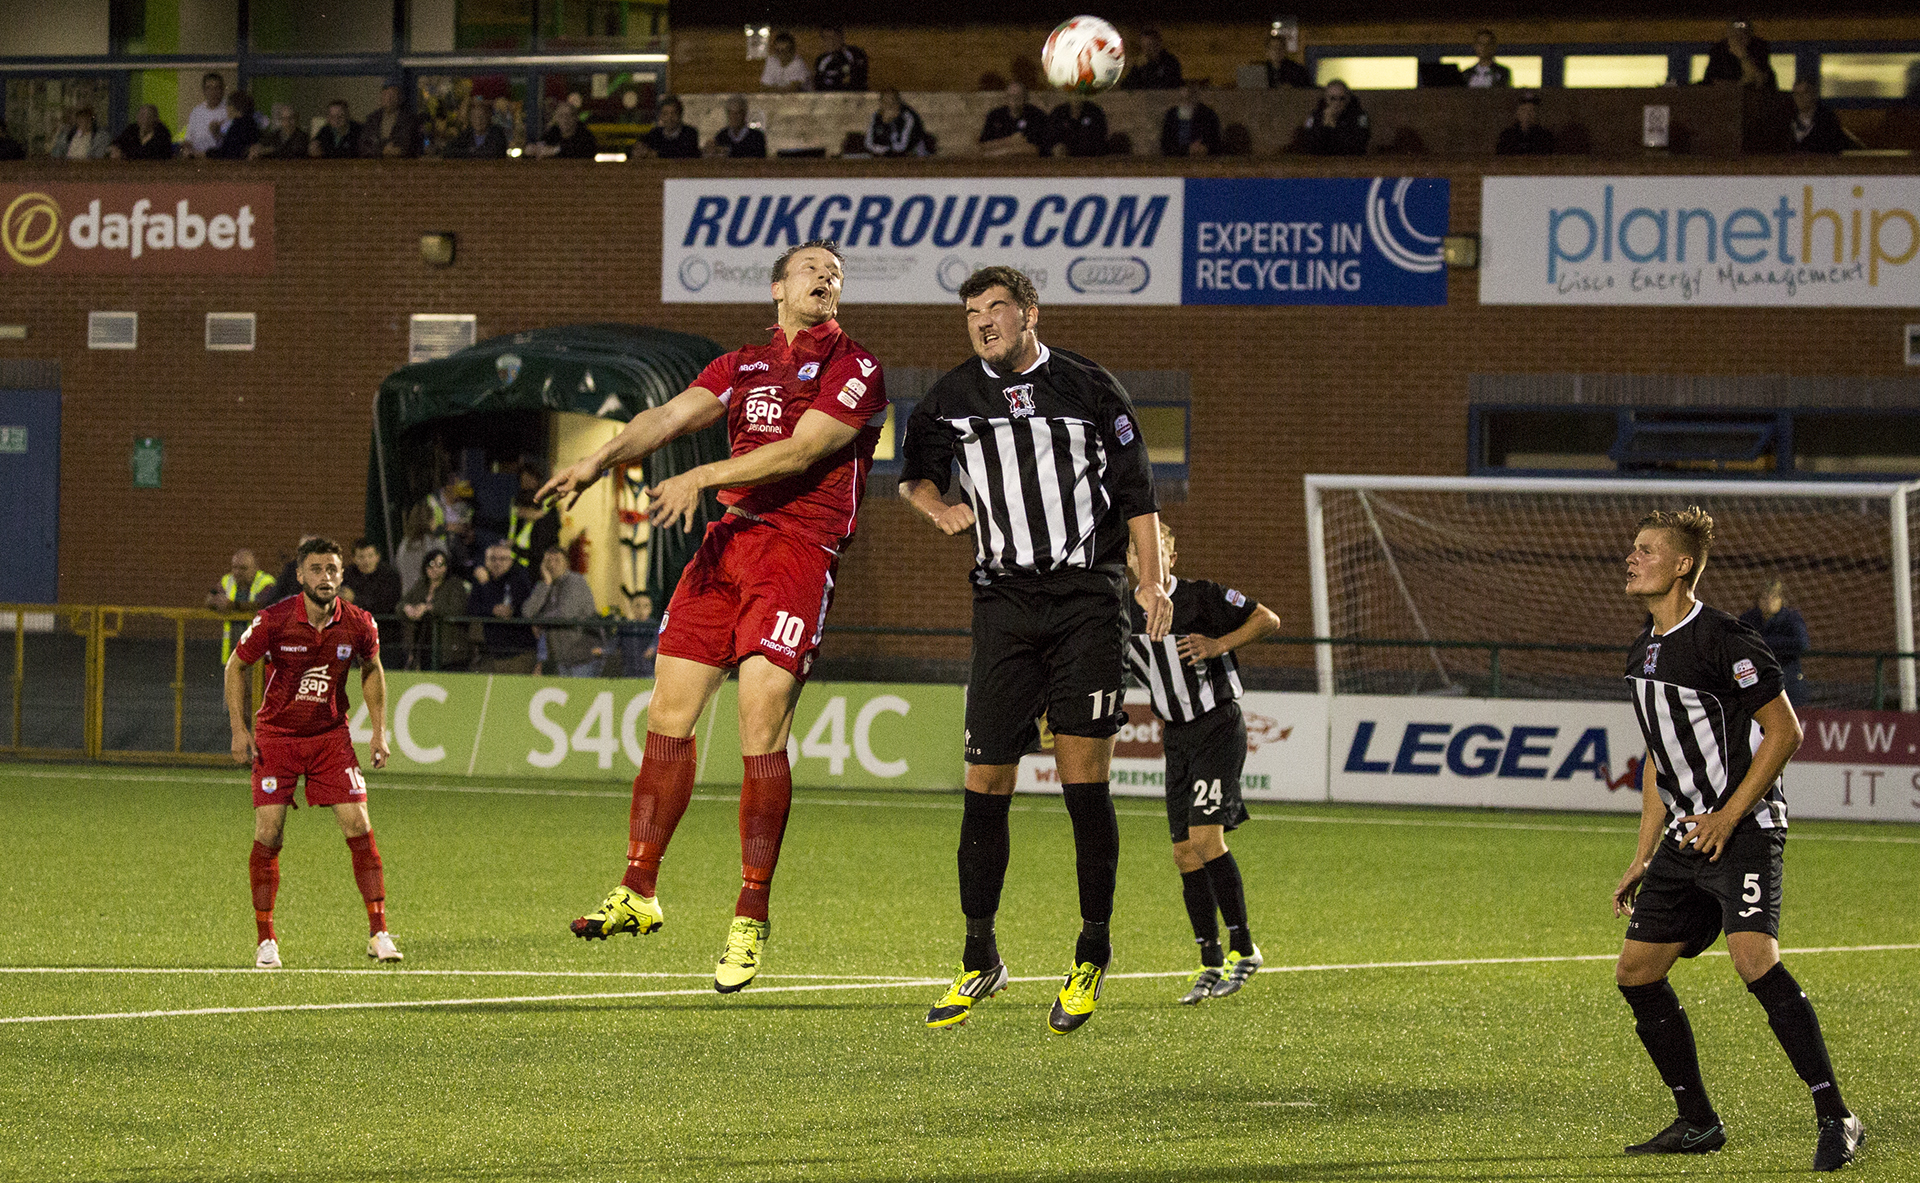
(1123, 428)
(1236, 598)
(851, 392)
(1745, 674)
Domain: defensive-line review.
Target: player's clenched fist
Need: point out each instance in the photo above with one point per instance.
(954, 518)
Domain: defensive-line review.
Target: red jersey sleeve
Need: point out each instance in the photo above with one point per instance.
(369, 638)
(253, 642)
(853, 389)
(717, 378)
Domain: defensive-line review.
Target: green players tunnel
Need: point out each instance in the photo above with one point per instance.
(549, 395)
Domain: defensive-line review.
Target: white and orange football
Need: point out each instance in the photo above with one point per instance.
(1084, 55)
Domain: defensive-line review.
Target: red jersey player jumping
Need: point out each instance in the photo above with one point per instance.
(803, 414)
(309, 641)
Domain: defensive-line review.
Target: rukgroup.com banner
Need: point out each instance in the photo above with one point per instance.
(1737, 241)
(1082, 240)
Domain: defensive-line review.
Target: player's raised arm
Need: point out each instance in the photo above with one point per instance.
(690, 410)
(817, 436)
(373, 692)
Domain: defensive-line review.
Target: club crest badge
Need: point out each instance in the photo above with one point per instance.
(809, 371)
(269, 783)
(1653, 657)
(1020, 400)
(343, 651)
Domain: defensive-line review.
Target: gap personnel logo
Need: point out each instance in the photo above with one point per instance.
(315, 683)
(1020, 400)
(137, 229)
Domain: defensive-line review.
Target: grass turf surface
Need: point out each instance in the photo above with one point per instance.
(1490, 1071)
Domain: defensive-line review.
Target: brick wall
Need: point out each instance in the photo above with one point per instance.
(264, 445)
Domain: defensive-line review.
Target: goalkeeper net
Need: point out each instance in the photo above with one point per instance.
(1429, 563)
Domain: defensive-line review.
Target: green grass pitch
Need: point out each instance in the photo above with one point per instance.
(505, 1049)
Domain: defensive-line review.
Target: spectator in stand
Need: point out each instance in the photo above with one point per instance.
(1155, 68)
(374, 586)
(896, 129)
(1017, 129)
(1815, 127)
(437, 596)
(242, 131)
(532, 528)
(1525, 136)
(482, 138)
(416, 540)
(566, 137)
(10, 148)
(1077, 128)
(563, 594)
(1191, 128)
(1785, 632)
(736, 139)
(841, 66)
(1337, 127)
(785, 70)
(670, 139)
(284, 138)
(244, 588)
(501, 588)
(206, 121)
(340, 138)
(82, 138)
(391, 131)
(1742, 56)
(1485, 72)
(146, 138)
(1283, 69)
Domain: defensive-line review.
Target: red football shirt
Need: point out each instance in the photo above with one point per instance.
(766, 388)
(306, 683)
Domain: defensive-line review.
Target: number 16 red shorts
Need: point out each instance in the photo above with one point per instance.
(326, 760)
(750, 588)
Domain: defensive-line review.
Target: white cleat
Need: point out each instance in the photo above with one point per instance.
(267, 956)
(380, 947)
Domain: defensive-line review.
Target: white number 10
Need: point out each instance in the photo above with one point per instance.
(787, 629)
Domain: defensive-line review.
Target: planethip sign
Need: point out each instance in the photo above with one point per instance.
(136, 229)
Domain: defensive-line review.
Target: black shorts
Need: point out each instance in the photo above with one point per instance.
(1061, 653)
(1204, 761)
(1686, 899)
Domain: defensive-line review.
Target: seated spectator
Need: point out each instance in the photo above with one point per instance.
(1077, 128)
(840, 66)
(430, 601)
(1525, 136)
(1742, 56)
(1337, 127)
(10, 148)
(896, 129)
(373, 585)
(1191, 128)
(146, 138)
(1283, 69)
(244, 588)
(242, 131)
(392, 131)
(1154, 68)
(566, 137)
(207, 120)
(284, 138)
(340, 138)
(1815, 127)
(501, 588)
(563, 594)
(416, 539)
(670, 139)
(1486, 72)
(784, 69)
(81, 138)
(736, 139)
(482, 138)
(1017, 129)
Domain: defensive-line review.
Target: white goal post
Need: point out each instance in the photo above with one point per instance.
(1534, 562)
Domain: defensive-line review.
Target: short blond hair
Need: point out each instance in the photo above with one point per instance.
(1692, 530)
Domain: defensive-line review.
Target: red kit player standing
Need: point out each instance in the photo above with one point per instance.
(309, 641)
(803, 413)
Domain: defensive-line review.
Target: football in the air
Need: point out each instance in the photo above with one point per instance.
(1084, 55)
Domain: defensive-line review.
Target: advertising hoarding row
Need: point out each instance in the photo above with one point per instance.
(136, 229)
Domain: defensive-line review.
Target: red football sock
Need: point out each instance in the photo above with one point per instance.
(660, 796)
(766, 793)
(263, 871)
(373, 885)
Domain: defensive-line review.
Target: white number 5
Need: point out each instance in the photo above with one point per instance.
(1750, 888)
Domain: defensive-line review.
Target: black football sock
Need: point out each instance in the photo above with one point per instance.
(1096, 864)
(1798, 1030)
(1662, 1025)
(1197, 890)
(1225, 874)
(984, 848)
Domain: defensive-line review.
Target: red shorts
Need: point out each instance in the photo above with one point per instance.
(750, 589)
(327, 761)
